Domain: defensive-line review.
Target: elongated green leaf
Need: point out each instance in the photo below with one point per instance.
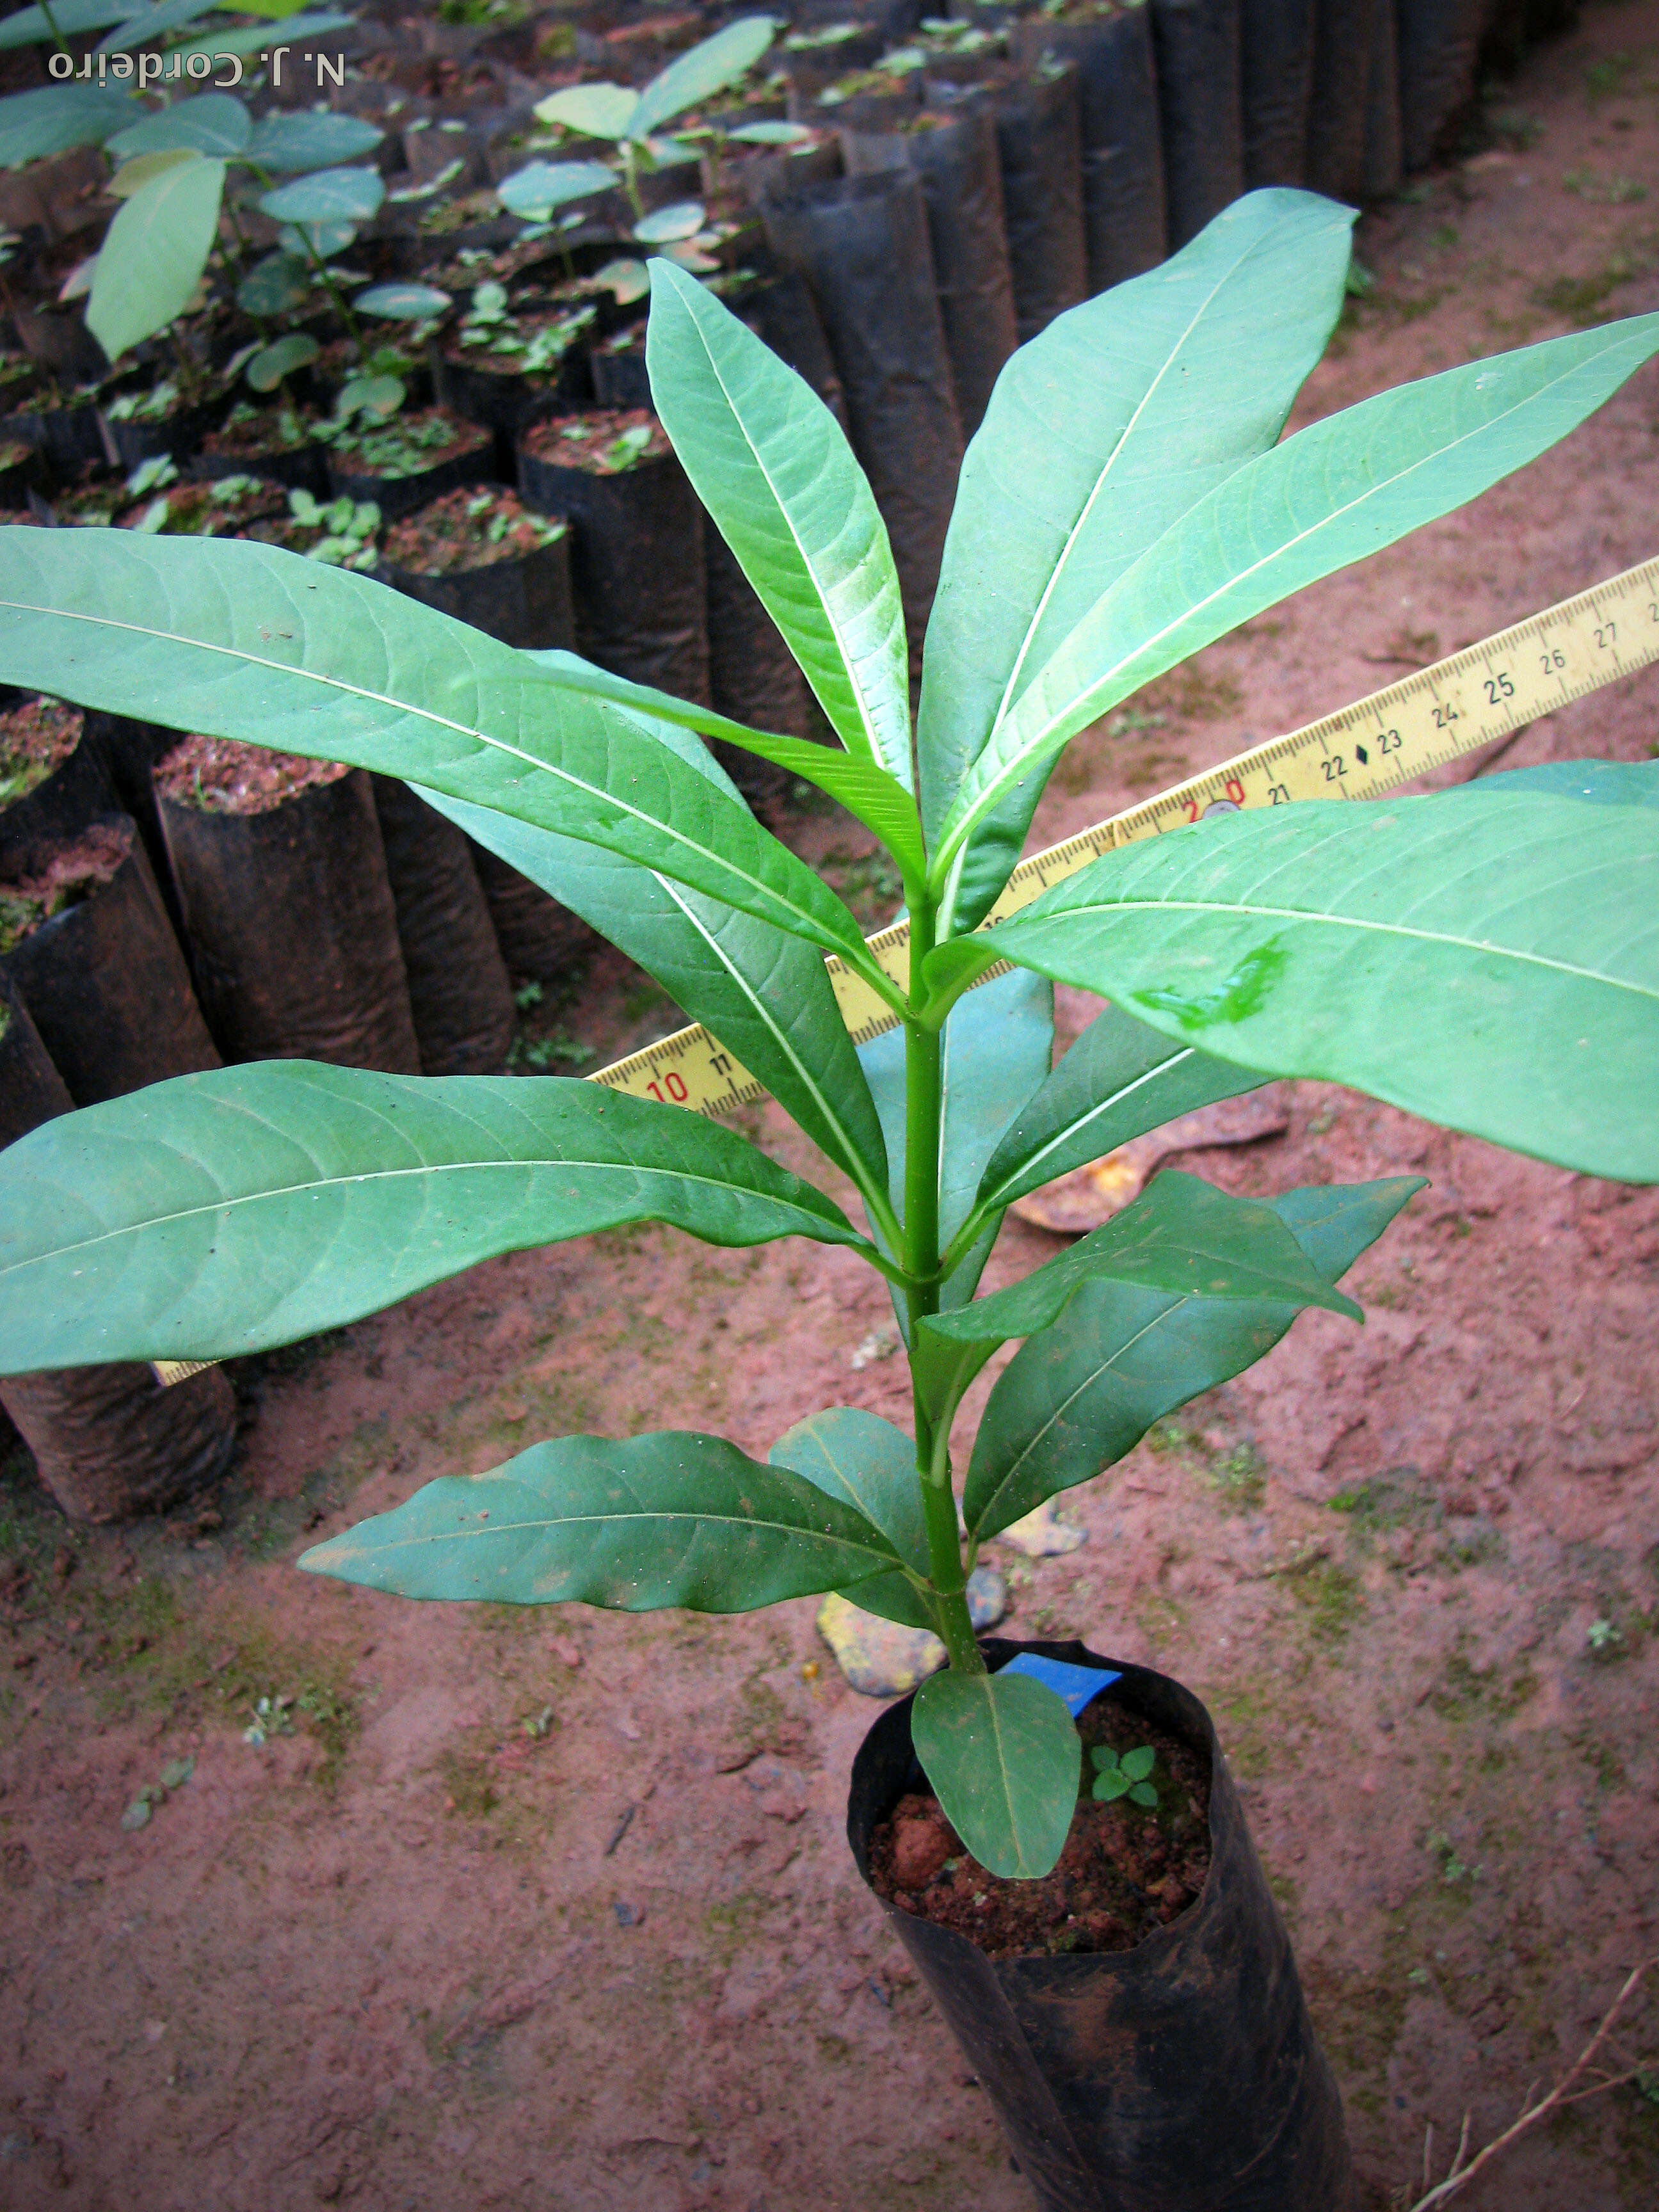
(994, 1053)
(327, 196)
(1488, 958)
(1119, 1079)
(1005, 1758)
(867, 1463)
(596, 111)
(147, 23)
(212, 122)
(1181, 1234)
(696, 75)
(862, 786)
(244, 640)
(403, 303)
(222, 1213)
(533, 192)
(765, 997)
(131, 177)
(1341, 488)
(769, 462)
(1082, 1394)
(154, 254)
(310, 140)
(27, 27)
(1101, 432)
(58, 116)
(248, 39)
(674, 1518)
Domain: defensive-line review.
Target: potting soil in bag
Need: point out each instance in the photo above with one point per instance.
(636, 540)
(410, 459)
(954, 156)
(1383, 167)
(1345, 35)
(862, 246)
(292, 929)
(108, 1442)
(53, 776)
(1152, 2051)
(1438, 40)
(1278, 48)
(1201, 105)
(459, 992)
(86, 938)
(1124, 208)
(479, 554)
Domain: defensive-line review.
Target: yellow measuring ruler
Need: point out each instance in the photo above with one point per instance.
(1375, 746)
(1380, 742)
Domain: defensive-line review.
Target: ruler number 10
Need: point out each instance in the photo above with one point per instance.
(674, 1085)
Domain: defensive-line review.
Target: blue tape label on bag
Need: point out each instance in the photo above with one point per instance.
(1077, 1685)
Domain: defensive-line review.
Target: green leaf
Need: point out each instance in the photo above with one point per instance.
(154, 254)
(1600, 783)
(768, 134)
(867, 1463)
(994, 1053)
(403, 303)
(1083, 1394)
(1138, 1763)
(244, 640)
(132, 177)
(1181, 1236)
(862, 786)
(664, 226)
(328, 195)
(57, 117)
(249, 38)
(596, 111)
(27, 27)
(325, 240)
(1118, 1080)
(145, 23)
(1486, 958)
(670, 1519)
(222, 1213)
(535, 191)
(266, 370)
(1101, 432)
(1003, 1755)
(377, 397)
(212, 122)
(1144, 1794)
(696, 75)
(1110, 1785)
(765, 997)
(310, 140)
(770, 463)
(1343, 488)
(274, 286)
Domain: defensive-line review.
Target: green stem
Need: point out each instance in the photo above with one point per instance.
(630, 180)
(923, 1117)
(52, 25)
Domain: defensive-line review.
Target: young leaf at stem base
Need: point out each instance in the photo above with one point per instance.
(1004, 1757)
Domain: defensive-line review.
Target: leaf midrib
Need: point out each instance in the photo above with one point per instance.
(224, 1206)
(760, 1523)
(990, 1200)
(1316, 916)
(441, 721)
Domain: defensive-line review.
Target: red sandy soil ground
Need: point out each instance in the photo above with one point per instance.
(383, 1961)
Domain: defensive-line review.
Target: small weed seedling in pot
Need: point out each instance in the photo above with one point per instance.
(1478, 956)
(1128, 1775)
